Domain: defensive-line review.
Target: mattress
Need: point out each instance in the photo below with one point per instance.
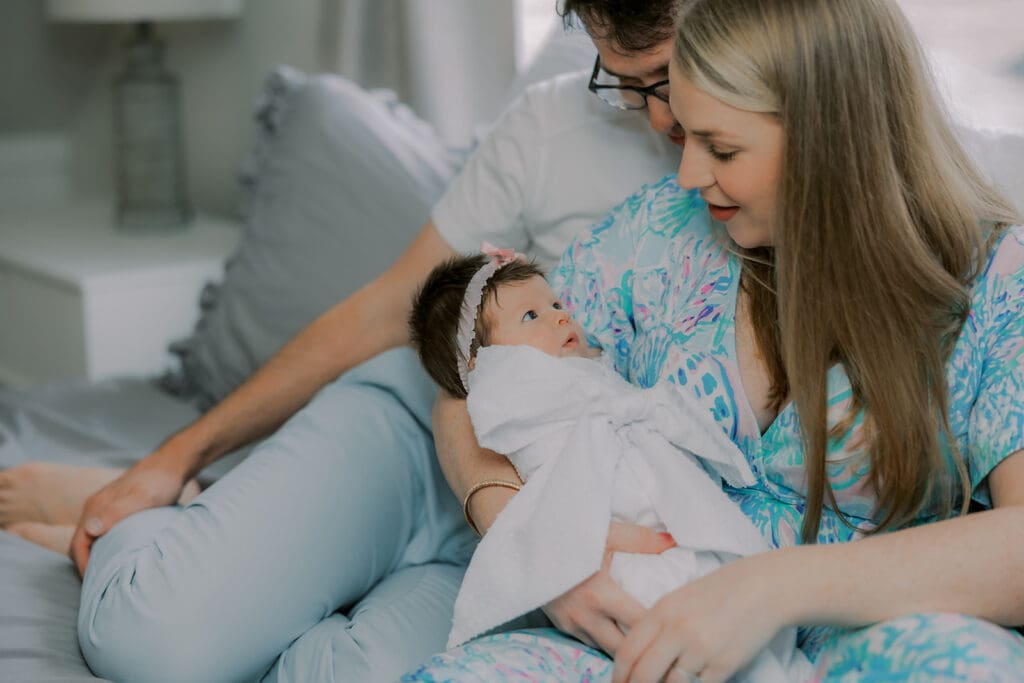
(111, 423)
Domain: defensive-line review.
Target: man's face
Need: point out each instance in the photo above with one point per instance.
(642, 69)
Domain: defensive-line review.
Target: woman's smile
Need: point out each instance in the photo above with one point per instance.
(722, 213)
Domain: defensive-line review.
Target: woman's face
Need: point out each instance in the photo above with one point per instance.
(733, 157)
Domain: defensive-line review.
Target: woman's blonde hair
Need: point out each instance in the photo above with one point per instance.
(882, 226)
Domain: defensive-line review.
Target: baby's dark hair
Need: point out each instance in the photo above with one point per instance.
(437, 307)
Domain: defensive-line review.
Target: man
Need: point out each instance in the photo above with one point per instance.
(344, 506)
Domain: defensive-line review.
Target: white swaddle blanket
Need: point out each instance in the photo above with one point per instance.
(592, 448)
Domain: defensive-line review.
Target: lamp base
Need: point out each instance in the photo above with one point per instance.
(149, 160)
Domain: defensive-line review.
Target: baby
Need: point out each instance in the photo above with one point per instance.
(590, 447)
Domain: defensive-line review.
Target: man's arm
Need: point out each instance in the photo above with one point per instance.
(371, 320)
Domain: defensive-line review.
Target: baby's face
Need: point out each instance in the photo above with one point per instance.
(528, 313)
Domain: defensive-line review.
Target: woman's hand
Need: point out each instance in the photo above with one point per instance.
(593, 610)
(710, 627)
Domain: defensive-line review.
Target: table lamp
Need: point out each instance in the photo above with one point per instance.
(148, 156)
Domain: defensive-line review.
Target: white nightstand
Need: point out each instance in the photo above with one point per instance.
(81, 299)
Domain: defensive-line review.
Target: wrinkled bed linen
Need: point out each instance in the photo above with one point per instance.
(106, 424)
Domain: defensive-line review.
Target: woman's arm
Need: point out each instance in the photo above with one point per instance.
(970, 565)
(465, 463)
(371, 320)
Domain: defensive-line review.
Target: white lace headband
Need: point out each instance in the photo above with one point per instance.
(471, 302)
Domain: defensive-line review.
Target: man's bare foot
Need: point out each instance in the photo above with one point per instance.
(48, 492)
(55, 494)
(56, 537)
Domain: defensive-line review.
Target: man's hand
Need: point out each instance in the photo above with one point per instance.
(597, 610)
(154, 481)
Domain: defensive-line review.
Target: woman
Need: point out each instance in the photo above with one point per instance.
(853, 319)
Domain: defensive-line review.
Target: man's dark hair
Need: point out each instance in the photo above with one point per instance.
(631, 25)
(437, 307)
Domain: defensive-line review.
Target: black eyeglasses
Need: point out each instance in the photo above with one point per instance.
(625, 96)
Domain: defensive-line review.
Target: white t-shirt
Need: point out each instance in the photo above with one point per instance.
(556, 161)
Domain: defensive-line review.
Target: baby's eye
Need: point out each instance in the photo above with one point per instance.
(557, 305)
(530, 315)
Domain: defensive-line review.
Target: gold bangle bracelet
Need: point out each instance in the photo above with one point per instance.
(477, 487)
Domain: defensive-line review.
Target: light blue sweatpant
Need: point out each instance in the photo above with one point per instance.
(332, 553)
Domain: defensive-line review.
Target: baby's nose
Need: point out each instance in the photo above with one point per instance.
(563, 318)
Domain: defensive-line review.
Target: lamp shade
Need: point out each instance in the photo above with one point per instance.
(116, 11)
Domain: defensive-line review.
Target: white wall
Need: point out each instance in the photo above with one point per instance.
(57, 78)
(222, 67)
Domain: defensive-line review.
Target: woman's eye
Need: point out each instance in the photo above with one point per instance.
(530, 315)
(720, 156)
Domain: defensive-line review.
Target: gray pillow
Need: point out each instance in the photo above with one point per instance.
(340, 181)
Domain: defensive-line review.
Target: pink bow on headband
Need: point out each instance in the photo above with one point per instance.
(471, 301)
(501, 256)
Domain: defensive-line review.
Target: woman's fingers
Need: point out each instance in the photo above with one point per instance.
(657, 661)
(709, 628)
(594, 629)
(658, 650)
(578, 622)
(604, 634)
(678, 675)
(596, 612)
(689, 665)
(624, 609)
(612, 601)
(633, 647)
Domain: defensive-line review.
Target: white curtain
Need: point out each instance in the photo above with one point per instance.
(450, 60)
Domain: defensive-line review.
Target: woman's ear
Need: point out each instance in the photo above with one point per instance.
(472, 362)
